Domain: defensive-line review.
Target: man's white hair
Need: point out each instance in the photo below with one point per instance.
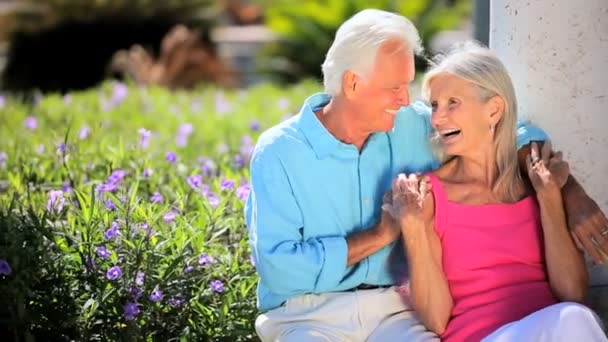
(357, 42)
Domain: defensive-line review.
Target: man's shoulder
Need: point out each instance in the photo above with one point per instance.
(279, 139)
(418, 110)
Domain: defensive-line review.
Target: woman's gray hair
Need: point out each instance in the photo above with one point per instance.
(481, 67)
(357, 42)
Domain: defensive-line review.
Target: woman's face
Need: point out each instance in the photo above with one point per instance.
(462, 120)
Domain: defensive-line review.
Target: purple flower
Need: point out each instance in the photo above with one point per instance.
(205, 259)
(188, 269)
(156, 295)
(62, 148)
(31, 123)
(55, 201)
(222, 148)
(195, 181)
(208, 166)
(107, 187)
(242, 192)
(119, 93)
(3, 157)
(254, 125)
(247, 147)
(5, 268)
(170, 216)
(66, 186)
(2, 101)
(84, 132)
(217, 286)
(185, 129)
(116, 176)
(177, 301)
(40, 148)
(67, 99)
(171, 157)
(239, 161)
(111, 232)
(110, 205)
(145, 227)
(131, 310)
(144, 138)
(214, 200)
(221, 105)
(135, 292)
(114, 273)
(156, 198)
(227, 184)
(181, 140)
(139, 278)
(102, 252)
(148, 172)
(183, 133)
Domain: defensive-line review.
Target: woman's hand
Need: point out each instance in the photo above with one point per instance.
(547, 173)
(411, 200)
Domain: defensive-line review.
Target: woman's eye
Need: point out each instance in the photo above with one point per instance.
(452, 102)
(433, 106)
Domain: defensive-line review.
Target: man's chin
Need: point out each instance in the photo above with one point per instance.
(388, 126)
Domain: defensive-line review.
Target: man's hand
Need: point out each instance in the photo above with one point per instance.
(588, 224)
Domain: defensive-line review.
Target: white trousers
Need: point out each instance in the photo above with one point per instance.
(563, 322)
(376, 315)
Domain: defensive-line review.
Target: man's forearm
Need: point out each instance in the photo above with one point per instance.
(365, 243)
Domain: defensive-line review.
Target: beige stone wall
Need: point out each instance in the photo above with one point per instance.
(557, 53)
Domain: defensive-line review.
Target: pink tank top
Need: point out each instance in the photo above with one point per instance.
(493, 258)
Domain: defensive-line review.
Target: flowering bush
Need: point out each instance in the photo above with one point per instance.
(121, 212)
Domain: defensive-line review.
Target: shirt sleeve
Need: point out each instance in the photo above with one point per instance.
(528, 132)
(286, 263)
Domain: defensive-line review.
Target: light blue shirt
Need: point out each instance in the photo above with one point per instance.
(309, 191)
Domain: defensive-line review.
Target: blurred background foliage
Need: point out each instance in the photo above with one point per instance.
(62, 45)
(306, 29)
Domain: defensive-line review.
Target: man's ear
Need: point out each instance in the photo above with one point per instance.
(496, 108)
(349, 84)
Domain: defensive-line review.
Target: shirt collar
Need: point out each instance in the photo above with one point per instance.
(322, 142)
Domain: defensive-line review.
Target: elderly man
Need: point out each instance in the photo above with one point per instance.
(320, 240)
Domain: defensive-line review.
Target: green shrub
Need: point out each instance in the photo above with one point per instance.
(121, 213)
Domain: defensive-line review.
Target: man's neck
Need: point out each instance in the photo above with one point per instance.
(334, 116)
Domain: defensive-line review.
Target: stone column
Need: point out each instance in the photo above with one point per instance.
(557, 54)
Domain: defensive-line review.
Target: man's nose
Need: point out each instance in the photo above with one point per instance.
(403, 97)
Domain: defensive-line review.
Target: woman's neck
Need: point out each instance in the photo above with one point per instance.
(478, 169)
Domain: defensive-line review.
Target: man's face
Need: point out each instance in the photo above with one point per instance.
(385, 89)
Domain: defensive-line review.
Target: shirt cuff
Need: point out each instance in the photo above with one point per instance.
(527, 132)
(334, 266)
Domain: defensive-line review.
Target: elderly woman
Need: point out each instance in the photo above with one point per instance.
(489, 253)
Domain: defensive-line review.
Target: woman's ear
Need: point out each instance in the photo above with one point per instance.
(349, 84)
(496, 109)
